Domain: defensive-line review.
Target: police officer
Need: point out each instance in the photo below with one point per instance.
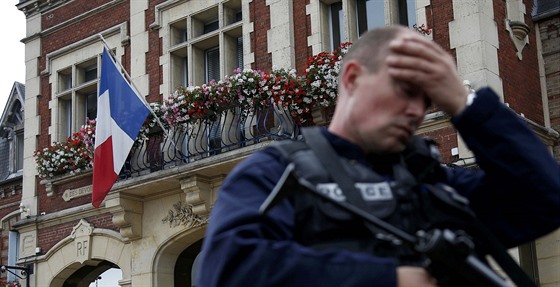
(388, 79)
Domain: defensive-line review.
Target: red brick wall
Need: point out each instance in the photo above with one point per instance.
(260, 16)
(440, 13)
(43, 140)
(520, 78)
(68, 11)
(10, 200)
(446, 139)
(153, 68)
(47, 237)
(302, 29)
(56, 203)
(82, 29)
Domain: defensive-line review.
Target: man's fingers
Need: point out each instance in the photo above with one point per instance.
(406, 75)
(415, 70)
(417, 46)
(411, 63)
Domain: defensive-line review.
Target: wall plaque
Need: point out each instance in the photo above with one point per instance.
(69, 194)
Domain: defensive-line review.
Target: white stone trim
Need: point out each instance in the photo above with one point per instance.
(139, 46)
(542, 76)
(315, 40)
(32, 122)
(248, 28)
(281, 33)
(474, 35)
(516, 26)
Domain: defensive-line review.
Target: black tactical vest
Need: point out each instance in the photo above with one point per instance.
(322, 224)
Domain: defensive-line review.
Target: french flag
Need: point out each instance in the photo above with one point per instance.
(120, 115)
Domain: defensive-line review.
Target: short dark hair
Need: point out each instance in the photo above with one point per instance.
(372, 47)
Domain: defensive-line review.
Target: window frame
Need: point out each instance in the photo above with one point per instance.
(354, 18)
(187, 55)
(72, 101)
(18, 150)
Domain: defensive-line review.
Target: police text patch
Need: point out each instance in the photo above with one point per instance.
(369, 191)
(375, 191)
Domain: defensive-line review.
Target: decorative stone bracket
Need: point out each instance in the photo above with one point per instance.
(518, 32)
(127, 215)
(198, 191)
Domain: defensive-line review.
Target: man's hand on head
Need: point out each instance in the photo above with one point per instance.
(424, 64)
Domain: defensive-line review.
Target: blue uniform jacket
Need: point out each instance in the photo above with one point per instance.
(516, 194)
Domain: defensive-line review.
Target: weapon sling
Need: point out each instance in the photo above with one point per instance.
(332, 163)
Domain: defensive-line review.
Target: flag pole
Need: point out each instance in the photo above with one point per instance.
(129, 78)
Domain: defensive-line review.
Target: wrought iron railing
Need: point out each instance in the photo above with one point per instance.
(230, 130)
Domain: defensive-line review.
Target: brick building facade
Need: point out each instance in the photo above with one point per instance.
(153, 221)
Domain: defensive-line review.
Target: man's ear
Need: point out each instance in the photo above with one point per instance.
(350, 73)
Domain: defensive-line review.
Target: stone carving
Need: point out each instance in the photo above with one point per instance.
(182, 214)
(82, 240)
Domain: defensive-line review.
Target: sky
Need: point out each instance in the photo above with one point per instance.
(109, 278)
(12, 55)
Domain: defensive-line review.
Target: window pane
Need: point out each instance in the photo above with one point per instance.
(91, 106)
(13, 242)
(336, 24)
(238, 16)
(374, 14)
(179, 69)
(19, 151)
(90, 73)
(65, 80)
(212, 59)
(239, 58)
(407, 12)
(178, 32)
(411, 12)
(185, 71)
(67, 114)
(212, 26)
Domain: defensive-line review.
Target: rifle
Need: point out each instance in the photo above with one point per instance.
(452, 260)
